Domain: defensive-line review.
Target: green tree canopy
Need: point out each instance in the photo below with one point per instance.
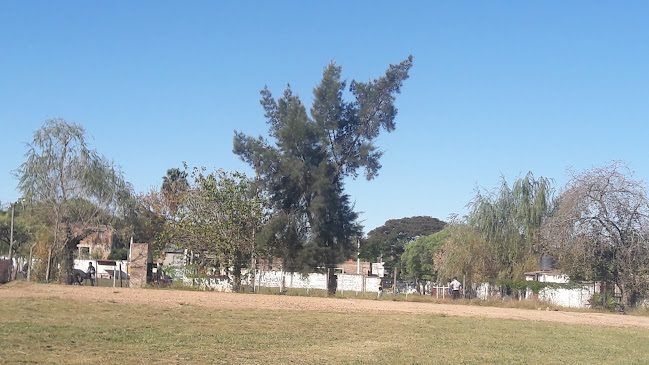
(70, 185)
(465, 253)
(303, 172)
(388, 241)
(417, 259)
(509, 220)
(218, 214)
(20, 229)
(174, 184)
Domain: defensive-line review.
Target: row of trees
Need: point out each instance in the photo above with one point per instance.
(596, 229)
(296, 208)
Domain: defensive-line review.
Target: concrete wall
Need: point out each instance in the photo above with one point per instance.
(572, 298)
(287, 280)
(577, 297)
(103, 271)
(346, 282)
(215, 283)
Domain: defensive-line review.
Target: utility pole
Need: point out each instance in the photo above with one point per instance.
(11, 241)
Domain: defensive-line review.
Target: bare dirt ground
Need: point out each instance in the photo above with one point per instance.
(279, 302)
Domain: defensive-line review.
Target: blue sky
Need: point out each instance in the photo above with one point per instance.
(497, 87)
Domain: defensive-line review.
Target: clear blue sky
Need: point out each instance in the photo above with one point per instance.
(497, 87)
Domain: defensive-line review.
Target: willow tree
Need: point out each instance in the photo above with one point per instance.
(464, 253)
(600, 230)
(509, 220)
(72, 187)
(314, 222)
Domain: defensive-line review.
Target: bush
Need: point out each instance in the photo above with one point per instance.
(602, 301)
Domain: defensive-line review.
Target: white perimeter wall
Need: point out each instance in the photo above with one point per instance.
(577, 297)
(102, 270)
(571, 298)
(346, 282)
(288, 280)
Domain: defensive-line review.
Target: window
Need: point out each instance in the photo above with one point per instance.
(84, 252)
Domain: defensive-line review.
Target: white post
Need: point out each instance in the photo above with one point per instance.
(281, 282)
(128, 264)
(114, 274)
(361, 284)
(358, 257)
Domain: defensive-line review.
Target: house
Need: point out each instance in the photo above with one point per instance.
(577, 296)
(354, 267)
(547, 276)
(97, 244)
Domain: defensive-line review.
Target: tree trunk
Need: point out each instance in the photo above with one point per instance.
(332, 281)
(29, 264)
(67, 262)
(627, 295)
(236, 285)
(49, 261)
(394, 283)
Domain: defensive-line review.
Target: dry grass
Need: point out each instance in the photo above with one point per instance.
(54, 330)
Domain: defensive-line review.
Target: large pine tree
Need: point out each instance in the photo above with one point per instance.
(304, 171)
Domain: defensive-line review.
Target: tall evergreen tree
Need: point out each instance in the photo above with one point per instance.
(304, 170)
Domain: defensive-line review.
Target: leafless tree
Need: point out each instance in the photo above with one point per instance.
(600, 230)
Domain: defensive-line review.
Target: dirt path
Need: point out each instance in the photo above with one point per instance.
(239, 301)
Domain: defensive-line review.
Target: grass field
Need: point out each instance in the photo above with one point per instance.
(54, 330)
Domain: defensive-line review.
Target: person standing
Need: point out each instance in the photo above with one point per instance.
(455, 287)
(91, 273)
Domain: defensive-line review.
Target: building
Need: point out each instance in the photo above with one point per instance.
(97, 244)
(547, 276)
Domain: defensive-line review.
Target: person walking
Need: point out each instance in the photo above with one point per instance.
(455, 287)
(91, 274)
